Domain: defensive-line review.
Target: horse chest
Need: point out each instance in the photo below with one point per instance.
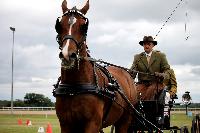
(78, 108)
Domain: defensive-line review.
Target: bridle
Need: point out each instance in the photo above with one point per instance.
(60, 39)
(84, 28)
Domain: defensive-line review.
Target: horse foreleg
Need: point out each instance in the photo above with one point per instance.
(122, 125)
(122, 129)
(92, 127)
(66, 129)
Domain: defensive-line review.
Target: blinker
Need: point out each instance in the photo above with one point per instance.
(58, 26)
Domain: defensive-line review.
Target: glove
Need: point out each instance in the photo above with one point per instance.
(160, 75)
(172, 92)
(132, 73)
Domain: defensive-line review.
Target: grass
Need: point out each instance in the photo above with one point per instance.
(9, 123)
(181, 120)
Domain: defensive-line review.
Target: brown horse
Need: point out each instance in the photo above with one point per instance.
(150, 91)
(86, 99)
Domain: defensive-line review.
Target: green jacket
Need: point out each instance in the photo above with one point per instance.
(171, 82)
(158, 63)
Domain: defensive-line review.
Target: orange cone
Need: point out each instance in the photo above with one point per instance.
(27, 122)
(49, 128)
(19, 121)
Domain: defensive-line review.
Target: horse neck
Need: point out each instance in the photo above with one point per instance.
(83, 74)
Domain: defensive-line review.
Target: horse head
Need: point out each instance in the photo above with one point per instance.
(72, 32)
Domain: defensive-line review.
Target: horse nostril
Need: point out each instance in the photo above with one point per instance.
(73, 56)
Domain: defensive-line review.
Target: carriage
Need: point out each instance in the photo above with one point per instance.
(91, 96)
(156, 116)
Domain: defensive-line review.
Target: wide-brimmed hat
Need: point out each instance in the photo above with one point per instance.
(148, 39)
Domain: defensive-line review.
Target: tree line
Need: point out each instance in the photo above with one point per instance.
(192, 105)
(30, 100)
(39, 100)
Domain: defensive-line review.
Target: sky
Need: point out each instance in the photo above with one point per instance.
(115, 28)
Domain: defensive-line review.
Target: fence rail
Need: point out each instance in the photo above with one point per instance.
(53, 108)
(27, 108)
(183, 109)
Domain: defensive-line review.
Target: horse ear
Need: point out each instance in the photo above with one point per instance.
(64, 6)
(85, 8)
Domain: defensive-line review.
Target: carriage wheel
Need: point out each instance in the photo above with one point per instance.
(112, 129)
(193, 128)
(195, 125)
(198, 123)
(174, 129)
(101, 131)
(184, 130)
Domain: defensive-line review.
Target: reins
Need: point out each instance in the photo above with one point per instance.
(100, 61)
(119, 90)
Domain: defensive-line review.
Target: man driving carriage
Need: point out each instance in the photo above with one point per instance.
(154, 71)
